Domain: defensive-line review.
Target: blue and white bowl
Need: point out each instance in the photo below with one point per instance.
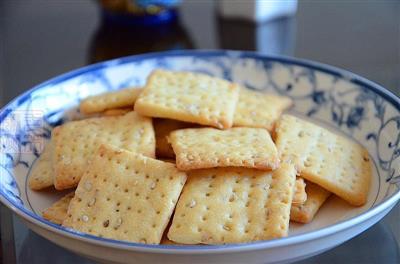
(334, 98)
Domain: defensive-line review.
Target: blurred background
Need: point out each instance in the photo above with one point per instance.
(40, 39)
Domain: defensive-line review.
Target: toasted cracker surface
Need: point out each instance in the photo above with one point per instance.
(233, 205)
(334, 162)
(42, 173)
(117, 111)
(257, 109)
(125, 196)
(57, 212)
(316, 196)
(189, 97)
(300, 195)
(109, 100)
(75, 142)
(162, 128)
(209, 147)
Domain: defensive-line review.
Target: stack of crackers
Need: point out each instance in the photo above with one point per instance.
(193, 159)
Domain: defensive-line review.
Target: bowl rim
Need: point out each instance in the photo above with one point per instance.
(31, 217)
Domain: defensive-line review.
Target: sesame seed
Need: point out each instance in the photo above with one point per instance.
(118, 223)
(92, 201)
(192, 203)
(88, 186)
(193, 109)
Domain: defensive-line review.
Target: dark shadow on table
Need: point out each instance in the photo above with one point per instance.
(114, 39)
(376, 245)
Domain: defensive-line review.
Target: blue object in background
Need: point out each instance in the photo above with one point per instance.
(163, 3)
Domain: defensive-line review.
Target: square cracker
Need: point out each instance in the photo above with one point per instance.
(238, 147)
(234, 205)
(257, 109)
(125, 196)
(316, 196)
(300, 195)
(75, 142)
(336, 163)
(162, 128)
(57, 212)
(189, 97)
(109, 100)
(42, 173)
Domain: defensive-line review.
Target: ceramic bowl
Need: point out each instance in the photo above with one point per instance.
(334, 98)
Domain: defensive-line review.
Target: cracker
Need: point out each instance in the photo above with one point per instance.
(209, 147)
(42, 173)
(300, 195)
(57, 212)
(109, 100)
(125, 196)
(76, 141)
(233, 205)
(189, 97)
(316, 196)
(117, 111)
(162, 128)
(336, 163)
(256, 109)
